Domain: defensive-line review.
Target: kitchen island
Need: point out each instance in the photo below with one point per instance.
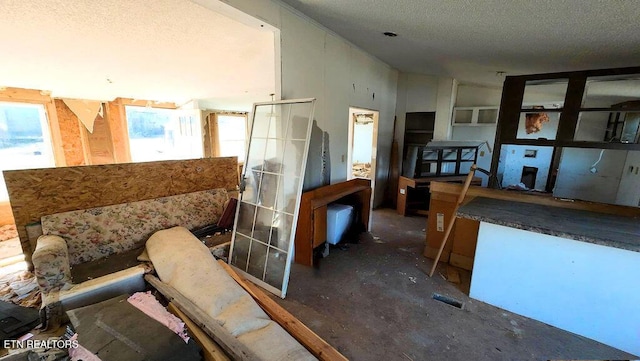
(578, 270)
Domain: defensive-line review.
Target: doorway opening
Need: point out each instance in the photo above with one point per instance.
(363, 137)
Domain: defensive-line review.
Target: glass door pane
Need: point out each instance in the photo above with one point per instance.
(267, 213)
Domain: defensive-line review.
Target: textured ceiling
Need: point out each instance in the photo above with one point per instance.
(165, 50)
(472, 40)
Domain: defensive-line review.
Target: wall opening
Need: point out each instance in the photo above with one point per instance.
(528, 177)
(363, 128)
(362, 147)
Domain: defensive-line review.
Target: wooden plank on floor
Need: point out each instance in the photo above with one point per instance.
(212, 351)
(309, 339)
(222, 337)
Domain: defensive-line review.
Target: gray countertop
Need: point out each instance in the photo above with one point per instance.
(599, 228)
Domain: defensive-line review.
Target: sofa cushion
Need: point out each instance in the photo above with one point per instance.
(96, 233)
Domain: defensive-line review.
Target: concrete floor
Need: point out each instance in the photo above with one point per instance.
(373, 302)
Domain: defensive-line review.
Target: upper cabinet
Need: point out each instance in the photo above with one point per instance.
(475, 116)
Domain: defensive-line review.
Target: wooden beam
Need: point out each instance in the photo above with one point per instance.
(117, 120)
(20, 95)
(309, 339)
(145, 103)
(56, 136)
(220, 335)
(212, 351)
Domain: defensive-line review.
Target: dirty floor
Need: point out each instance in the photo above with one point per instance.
(373, 301)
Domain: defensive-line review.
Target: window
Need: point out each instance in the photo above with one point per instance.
(232, 131)
(24, 139)
(163, 134)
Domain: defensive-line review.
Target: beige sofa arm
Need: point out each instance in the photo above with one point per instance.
(51, 263)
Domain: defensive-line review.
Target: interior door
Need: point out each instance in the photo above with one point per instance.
(273, 175)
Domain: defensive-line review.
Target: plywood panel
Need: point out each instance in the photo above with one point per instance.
(38, 192)
(73, 140)
(434, 237)
(100, 145)
(465, 237)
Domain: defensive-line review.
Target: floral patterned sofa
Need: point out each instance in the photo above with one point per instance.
(87, 255)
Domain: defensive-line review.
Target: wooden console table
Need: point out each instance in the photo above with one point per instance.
(311, 230)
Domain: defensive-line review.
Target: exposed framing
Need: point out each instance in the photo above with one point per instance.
(211, 133)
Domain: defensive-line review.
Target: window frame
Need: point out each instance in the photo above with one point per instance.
(217, 141)
(45, 126)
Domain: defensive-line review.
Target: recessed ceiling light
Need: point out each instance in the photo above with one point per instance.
(390, 34)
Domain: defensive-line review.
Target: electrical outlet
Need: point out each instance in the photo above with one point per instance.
(403, 191)
(440, 222)
(482, 153)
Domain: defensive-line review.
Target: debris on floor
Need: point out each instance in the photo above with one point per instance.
(148, 304)
(20, 288)
(453, 275)
(7, 232)
(116, 330)
(361, 170)
(16, 320)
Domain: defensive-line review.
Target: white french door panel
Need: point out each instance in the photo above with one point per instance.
(267, 213)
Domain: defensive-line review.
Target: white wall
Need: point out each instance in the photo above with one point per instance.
(613, 183)
(560, 282)
(416, 93)
(577, 182)
(447, 88)
(472, 95)
(317, 63)
(514, 160)
(629, 189)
